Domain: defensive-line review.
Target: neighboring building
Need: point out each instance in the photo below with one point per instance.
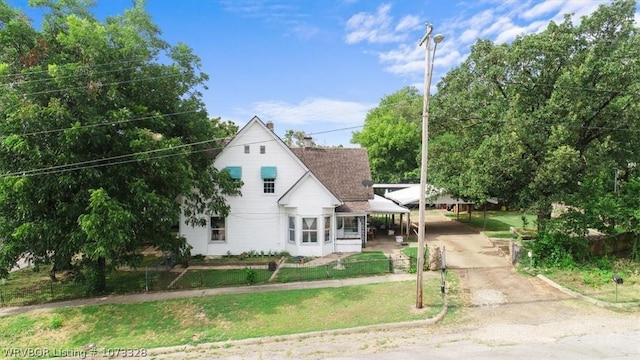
(306, 201)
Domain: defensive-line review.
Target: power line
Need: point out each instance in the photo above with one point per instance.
(22, 82)
(335, 130)
(71, 63)
(100, 84)
(81, 164)
(42, 132)
(122, 159)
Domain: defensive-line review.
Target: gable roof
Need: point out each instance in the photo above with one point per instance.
(342, 170)
(285, 198)
(256, 121)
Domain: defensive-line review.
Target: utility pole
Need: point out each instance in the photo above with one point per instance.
(428, 71)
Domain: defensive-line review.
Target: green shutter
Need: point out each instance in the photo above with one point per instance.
(268, 172)
(235, 172)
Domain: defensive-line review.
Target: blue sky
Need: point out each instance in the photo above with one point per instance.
(319, 65)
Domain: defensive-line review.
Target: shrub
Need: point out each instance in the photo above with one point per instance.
(250, 276)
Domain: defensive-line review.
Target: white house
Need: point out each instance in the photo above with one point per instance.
(306, 201)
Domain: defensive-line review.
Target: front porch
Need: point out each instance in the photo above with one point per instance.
(381, 241)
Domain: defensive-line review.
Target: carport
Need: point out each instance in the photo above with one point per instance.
(434, 196)
(379, 205)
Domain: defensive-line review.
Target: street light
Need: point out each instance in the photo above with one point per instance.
(428, 72)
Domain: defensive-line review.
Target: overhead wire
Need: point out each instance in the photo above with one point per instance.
(72, 63)
(106, 123)
(123, 159)
(100, 84)
(21, 82)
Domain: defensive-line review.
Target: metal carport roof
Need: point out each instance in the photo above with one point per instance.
(380, 205)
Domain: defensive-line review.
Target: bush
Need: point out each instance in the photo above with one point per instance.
(250, 276)
(548, 250)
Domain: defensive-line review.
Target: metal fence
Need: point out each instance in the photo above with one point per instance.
(160, 279)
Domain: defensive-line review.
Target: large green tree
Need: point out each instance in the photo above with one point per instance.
(533, 120)
(392, 136)
(103, 134)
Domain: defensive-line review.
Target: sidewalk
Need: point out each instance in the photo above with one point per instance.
(166, 295)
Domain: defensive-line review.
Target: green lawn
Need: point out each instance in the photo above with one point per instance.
(28, 287)
(497, 222)
(219, 318)
(595, 279)
(220, 278)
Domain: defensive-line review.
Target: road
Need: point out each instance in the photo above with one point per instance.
(504, 316)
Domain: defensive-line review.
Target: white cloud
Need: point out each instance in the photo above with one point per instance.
(499, 26)
(500, 21)
(303, 31)
(479, 21)
(313, 110)
(541, 9)
(409, 22)
(378, 27)
(470, 35)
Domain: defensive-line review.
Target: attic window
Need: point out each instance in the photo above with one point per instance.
(263, 149)
(247, 149)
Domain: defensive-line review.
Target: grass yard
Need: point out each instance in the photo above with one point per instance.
(219, 318)
(24, 287)
(249, 258)
(28, 287)
(220, 278)
(595, 280)
(368, 263)
(497, 223)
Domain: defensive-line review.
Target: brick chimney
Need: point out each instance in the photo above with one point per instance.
(269, 125)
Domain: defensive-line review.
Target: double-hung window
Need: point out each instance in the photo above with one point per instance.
(348, 224)
(269, 185)
(309, 230)
(218, 229)
(292, 229)
(268, 174)
(327, 228)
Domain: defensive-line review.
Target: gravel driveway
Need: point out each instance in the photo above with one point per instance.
(505, 316)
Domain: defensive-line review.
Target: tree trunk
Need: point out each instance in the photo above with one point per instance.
(101, 276)
(544, 214)
(97, 276)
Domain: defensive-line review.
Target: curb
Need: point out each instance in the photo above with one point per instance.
(301, 336)
(580, 296)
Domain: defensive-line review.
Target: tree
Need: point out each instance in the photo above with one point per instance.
(530, 121)
(297, 138)
(391, 135)
(103, 136)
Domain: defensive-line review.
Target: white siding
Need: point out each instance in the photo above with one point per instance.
(256, 221)
(310, 200)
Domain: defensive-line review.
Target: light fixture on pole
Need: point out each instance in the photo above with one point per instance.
(428, 72)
